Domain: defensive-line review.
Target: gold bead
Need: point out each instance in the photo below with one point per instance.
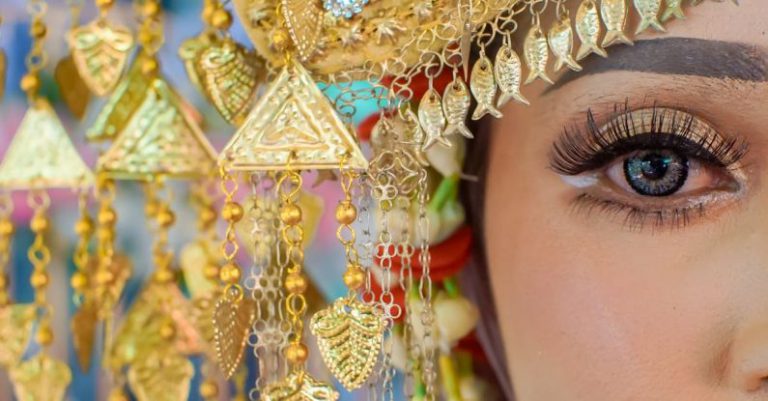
(207, 14)
(165, 218)
(105, 234)
(44, 335)
(296, 283)
(296, 353)
(207, 218)
(164, 276)
(211, 271)
(30, 82)
(104, 277)
(107, 216)
(168, 330)
(150, 208)
(39, 223)
(230, 273)
(221, 19)
(290, 214)
(118, 395)
(39, 279)
(280, 40)
(232, 211)
(209, 389)
(84, 226)
(150, 9)
(346, 213)
(79, 281)
(38, 30)
(354, 277)
(6, 228)
(105, 3)
(149, 66)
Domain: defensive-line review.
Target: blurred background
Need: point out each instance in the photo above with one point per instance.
(324, 258)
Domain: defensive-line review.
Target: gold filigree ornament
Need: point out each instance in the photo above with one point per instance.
(299, 386)
(121, 105)
(229, 74)
(73, 88)
(292, 118)
(350, 335)
(100, 51)
(41, 154)
(161, 376)
(16, 323)
(232, 319)
(381, 32)
(41, 378)
(160, 138)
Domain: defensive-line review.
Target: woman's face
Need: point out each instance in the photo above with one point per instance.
(629, 254)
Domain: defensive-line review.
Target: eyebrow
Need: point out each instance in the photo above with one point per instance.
(679, 56)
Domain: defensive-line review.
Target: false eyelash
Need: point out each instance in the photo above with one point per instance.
(578, 151)
(635, 217)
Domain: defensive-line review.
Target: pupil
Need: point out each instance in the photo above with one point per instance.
(655, 166)
(656, 172)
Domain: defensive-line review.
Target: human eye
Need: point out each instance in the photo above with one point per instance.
(658, 165)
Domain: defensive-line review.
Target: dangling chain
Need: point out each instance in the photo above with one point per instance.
(346, 214)
(429, 375)
(164, 218)
(150, 33)
(84, 230)
(232, 212)
(36, 58)
(292, 235)
(40, 256)
(6, 237)
(404, 251)
(105, 241)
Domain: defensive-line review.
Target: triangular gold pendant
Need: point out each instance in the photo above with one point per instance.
(293, 116)
(15, 332)
(41, 155)
(41, 378)
(159, 139)
(124, 101)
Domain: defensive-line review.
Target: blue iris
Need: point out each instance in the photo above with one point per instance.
(656, 172)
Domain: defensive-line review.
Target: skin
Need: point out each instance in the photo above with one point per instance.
(591, 309)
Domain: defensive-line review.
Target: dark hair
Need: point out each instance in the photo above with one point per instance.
(475, 277)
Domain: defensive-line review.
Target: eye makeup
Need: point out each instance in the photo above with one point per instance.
(654, 165)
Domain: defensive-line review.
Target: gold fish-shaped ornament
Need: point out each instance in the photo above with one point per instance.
(536, 55)
(614, 14)
(649, 15)
(588, 28)
(560, 38)
(508, 70)
(431, 119)
(483, 86)
(674, 9)
(456, 103)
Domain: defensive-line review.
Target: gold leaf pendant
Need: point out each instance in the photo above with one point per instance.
(74, 91)
(16, 323)
(189, 53)
(229, 74)
(299, 386)
(84, 332)
(349, 334)
(100, 52)
(162, 376)
(304, 20)
(41, 378)
(232, 321)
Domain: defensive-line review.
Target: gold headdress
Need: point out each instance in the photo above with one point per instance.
(317, 61)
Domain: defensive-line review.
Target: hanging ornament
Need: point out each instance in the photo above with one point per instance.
(74, 90)
(100, 50)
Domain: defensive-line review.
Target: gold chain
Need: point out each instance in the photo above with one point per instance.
(6, 236)
(105, 236)
(232, 212)
(164, 219)
(346, 214)
(40, 256)
(151, 36)
(292, 233)
(36, 58)
(84, 231)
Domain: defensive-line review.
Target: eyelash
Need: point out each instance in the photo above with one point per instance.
(581, 151)
(577, 152)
